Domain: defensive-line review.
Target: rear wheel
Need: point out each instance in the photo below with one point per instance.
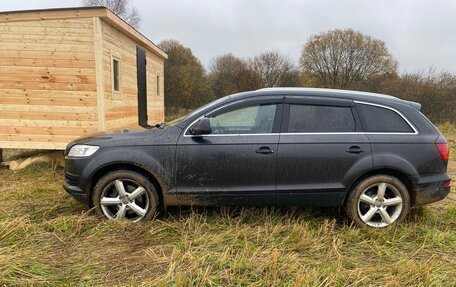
(125, 194)
(378, 201)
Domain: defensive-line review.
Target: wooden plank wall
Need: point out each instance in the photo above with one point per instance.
(121, 108)
(47, 83)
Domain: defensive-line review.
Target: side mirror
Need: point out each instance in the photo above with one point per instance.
(201, 127)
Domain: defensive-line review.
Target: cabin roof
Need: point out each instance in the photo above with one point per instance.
(82, 12)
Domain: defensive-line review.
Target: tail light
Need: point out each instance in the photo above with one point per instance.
(444, 150)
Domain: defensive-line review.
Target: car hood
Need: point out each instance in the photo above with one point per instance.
(136, 136)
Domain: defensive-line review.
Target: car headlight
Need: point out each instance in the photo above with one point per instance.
(82, 150)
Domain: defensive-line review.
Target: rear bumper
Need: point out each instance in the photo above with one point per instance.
(431, 194)
(431, 191)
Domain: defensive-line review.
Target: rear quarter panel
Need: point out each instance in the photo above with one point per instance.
(413, 154)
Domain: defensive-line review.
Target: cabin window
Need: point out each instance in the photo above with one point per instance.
(158, 85)
(320, 119)
(115, 75)
(382, 120)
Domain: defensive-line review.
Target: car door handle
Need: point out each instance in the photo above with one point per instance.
(264, 150)
(355, 150)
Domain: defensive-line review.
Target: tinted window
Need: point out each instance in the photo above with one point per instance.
(318, 119)
(246, 120)
(378, 119)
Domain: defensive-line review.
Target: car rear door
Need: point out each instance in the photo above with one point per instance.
(321, 148)
(236, 163)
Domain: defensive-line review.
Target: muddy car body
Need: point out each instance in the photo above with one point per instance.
(376, 155)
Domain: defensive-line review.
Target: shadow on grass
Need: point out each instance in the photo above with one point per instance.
(252, 213)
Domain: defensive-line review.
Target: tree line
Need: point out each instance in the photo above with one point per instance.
(342, 59)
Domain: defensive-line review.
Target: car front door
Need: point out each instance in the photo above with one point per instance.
(236, 162)
(321, 146)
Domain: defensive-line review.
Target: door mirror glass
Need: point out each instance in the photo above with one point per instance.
(201, 127)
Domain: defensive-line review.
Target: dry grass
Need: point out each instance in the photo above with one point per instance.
(46, 238)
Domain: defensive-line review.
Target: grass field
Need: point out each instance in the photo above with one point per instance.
(46, 238)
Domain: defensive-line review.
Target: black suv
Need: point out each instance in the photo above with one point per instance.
(375, 155)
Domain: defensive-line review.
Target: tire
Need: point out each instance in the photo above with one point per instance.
(366, 206)
(136, 201)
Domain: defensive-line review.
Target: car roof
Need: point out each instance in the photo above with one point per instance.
(332, 93)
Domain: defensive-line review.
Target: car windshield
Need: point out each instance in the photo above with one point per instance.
(195, 112)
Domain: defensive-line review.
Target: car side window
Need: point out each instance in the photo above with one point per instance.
(320, 119)
(379, 119)
(255, 119)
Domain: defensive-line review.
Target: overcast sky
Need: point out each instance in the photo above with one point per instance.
(419, 34)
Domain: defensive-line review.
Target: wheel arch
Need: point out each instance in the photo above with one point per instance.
(102, 171)
(406, 179)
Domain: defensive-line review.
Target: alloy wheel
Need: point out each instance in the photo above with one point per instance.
(124, 199)
(380, 205)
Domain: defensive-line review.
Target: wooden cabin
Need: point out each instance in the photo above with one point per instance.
(67, 73)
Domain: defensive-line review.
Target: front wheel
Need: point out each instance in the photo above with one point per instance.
(378, 201)
(125, 194)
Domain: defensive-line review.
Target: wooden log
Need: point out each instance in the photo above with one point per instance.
(55, 158)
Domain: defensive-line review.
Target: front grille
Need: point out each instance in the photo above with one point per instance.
(71, 178)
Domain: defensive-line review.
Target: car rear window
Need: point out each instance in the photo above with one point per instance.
(320, 119)
(379, 119)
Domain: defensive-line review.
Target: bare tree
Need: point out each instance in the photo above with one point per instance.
(341, 58)
(436, 92)
(274, 70)
(121, 8)
(186, 85)
(229, 74)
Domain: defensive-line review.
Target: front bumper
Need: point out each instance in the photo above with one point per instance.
(77, 177)
(76, 192)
